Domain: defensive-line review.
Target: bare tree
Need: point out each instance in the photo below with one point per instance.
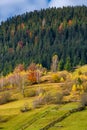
(43, 22)
(54, 65)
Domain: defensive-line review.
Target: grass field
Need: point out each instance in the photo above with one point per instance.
(77, 121)
(11, 118)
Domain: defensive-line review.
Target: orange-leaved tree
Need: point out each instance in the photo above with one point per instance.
(34, 73)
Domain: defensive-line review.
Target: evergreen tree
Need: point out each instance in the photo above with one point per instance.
(67, 64)
(61, 65)
(38, 35)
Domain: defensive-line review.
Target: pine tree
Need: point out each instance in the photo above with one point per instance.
(68, 64)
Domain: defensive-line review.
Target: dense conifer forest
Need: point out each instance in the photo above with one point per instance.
(37, 36)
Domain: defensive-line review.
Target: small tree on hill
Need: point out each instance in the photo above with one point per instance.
(34, 73)
(68, 64)
(54, 66)
(19, 68)
(61, 65)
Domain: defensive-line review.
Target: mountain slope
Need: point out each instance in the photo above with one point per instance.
(38, 35)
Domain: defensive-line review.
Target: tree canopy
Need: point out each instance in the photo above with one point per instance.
(37, 36)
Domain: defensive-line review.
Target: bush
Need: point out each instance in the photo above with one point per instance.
(66, 92)
(5, 98)
(25, 108)
(74, 88)
(55, 78)
(39, 91)
(47, 98)
(79, 72)
(64, 75)
(58, 98)
(42, 99)
(85, 86)
(84, 99)
(31, 93)
(38, 102)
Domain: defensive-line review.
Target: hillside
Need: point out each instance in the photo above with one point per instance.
(12, 118)
(37, 36)
(57, 101)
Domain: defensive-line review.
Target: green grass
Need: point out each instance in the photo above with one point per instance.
(76, 121)
(12, 119)
(51, 114)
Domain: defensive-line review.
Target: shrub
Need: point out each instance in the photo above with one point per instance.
(37, 102)
(66, 92)
(5, 98)
(39, 91)
(42, 99)
(47, 98)
(79, 81)
(64, 75)
(55, 78)
(25, 108)
(62, 79)
(31, 93)
(58, 98)
(79, 72)
(84, 99)
(85, 86)
(74, 87)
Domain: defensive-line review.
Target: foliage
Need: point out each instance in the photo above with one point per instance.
(61, 65)
(19, 68)
(74, 88)
(34, 73)
(47, 98)
(31, 93)
(54, 66)
(77, 87)
(68, 64)
(25, 108)
(32, 76)
(59, 31)
(56, 78)
(58, 98)
(84, 99)
(40, 91)
(5, 98)
(38, 102)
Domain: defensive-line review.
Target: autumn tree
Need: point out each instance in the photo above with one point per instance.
(34, 73)
(17, 79)
(19, 68)
(54, 66)
(32, 67)
(55, 32)
(43, 23)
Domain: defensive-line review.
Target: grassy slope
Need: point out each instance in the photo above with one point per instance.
(77, 121)
(38, 118)
(12, 119)
(42, 116)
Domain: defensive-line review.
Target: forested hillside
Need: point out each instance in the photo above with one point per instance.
(37, 36)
